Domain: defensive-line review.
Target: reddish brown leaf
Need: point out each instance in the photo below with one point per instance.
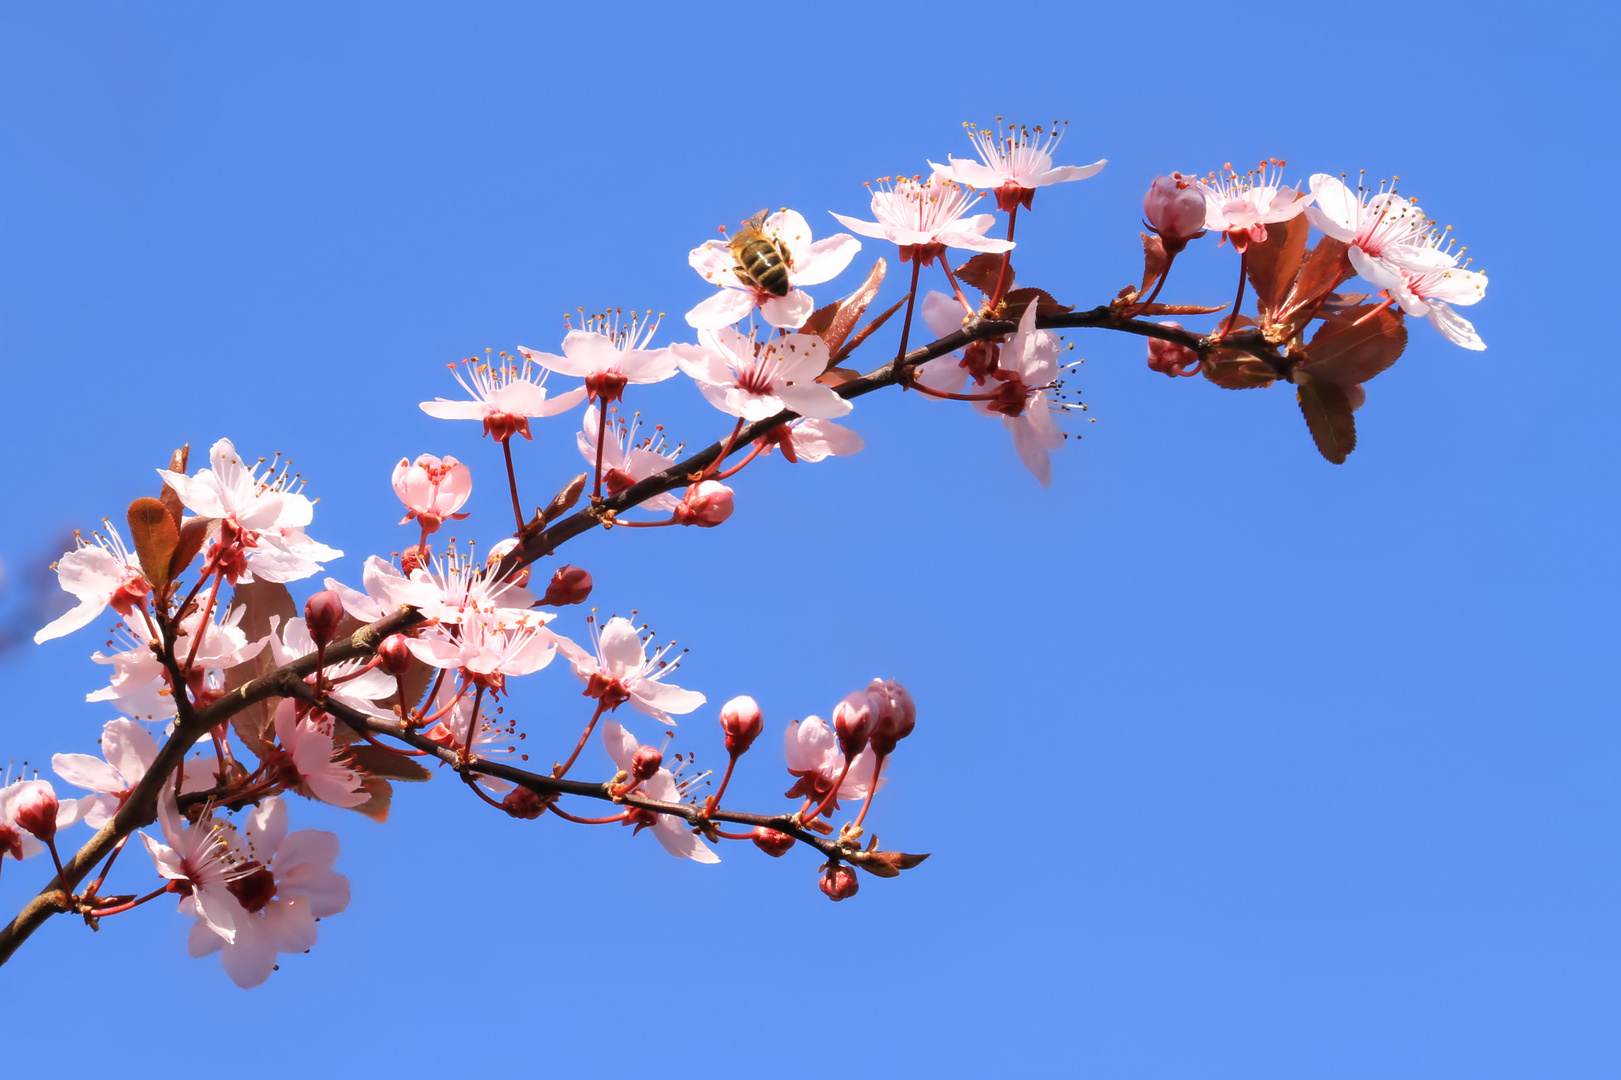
(1353, 351)
(262, 600)
(381, 796)
(821, 319)
(1272, 265)
(1323, 270)
(866, 331)
(169, 498)
(378, 761)
(838, 376)
(848, 312)
(885, 864)
(1327, 410)
(1019, 299)
(1180, 309)
(1155, 261)
(982, 271)
(193, 535)
(564, 499)
(155, 536)
(1232, 370)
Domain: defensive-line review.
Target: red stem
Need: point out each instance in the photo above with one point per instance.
(512, 485)
(566, 816)
(911, 298)
(569, 764)
(1007, 258)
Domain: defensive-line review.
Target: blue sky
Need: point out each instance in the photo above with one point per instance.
(1233, 763)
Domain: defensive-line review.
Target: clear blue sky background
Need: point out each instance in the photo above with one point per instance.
(1233, 763)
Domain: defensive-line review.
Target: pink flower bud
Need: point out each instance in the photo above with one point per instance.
(524, 804)
(570, 585)
(34, 809)
(1169, 358)
(432, 489)
(706, 504)
(839, 883)
(772, 842)
(852, 722)
(322, 613)
(11, 841)
(897, 714)
(394, 655)
(1175, 209)
(741, 720)
(645, 764)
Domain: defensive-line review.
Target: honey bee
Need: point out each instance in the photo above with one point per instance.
(761, 261)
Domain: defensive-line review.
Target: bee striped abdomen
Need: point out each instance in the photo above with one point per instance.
(760, 263)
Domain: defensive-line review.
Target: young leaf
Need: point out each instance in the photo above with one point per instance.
(378, 761)
(381, 794)
(262, 599)
(1322, 271)
(1019, 299)
(1179, 309)
(1233, 370)
(168, 497)
(1272, 266)
(193, 535)
(1353, 351)
(982, 270)
(850, 309)
(155, 536)
(1327, 410)
(866, 331)
(1155, 262)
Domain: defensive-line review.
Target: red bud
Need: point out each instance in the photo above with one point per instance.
(646, 763)
(570, 585)
(706, 504)
(897, 714)
(522, 803)
(322, 613)
(741, 720)
(839, 883)
(1169, 358)
(34, 808)
(772, 842)
(852, 722)
(394, 656)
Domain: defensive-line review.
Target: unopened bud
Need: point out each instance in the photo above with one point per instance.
(839, 883)
(645, 764)
(617, 480)
(522, 803)
(322, 613)
(772, 842)
(1175, 209)
(852, 722)
(741, 720)
(394, 656)
(11, 842)
(413, 559)
(570, 585)
(254, 890)
(1169, 358)
(897, 714)
(34, 807)
(706, 504)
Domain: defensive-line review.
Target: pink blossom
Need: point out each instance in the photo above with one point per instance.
(622, 671)
(432, 489)
(1432, 294)
(140, 687)
(756, 379)
(355, 684)
(98, 575)
(505, 397)
(318, 762)
(492, 737)
(387, 590)
(706, 504)
(926, 217)
(1014, 163)
(1027, 368)
(811, 440)
(1386, 232)
(490, 649)
(129, 750)
(292, 886)
(625, 460)
(943, 315)
(609, 354)
(1241, 207)
(809, 263)
(672, 832)
(455, 586)
(1175, 210)
(813, 754)
(29, 808)
(201, 860)
(264, 516)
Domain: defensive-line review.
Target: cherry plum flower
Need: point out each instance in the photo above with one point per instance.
(609, 354)
(1385, 232)
(128, 751)
(924, 217)
(756, 379)
(811, 440)
(318, 763)
(489, 649)
(139, 686)
(455, 586)
(812, 750)
(287, 885)
(1432, 294)
(622, 671)
(1241, 207)
(432, 489)
(943, 315)
(492, 737)
(1027, 368)
(263, 516)
(625, 461)
(21, 803)
(201, 861)
(355, 684)
(672, 832)
(386, 591)
(505, 397)
(99, 575)
(1014, 163)
(808, 262)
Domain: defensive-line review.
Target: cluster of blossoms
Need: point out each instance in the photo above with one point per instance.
(417, 665)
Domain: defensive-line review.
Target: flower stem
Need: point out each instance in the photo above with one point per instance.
(735, 469)
(202, 624)
(1007, 259)
(833, 795)
(512, 481)
(1231, 320)
(877, 769)
(566, 816)
(911, 299)
(562, 771)
(968, 309)
(137, 902)
(602, 435)
(712, 803)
